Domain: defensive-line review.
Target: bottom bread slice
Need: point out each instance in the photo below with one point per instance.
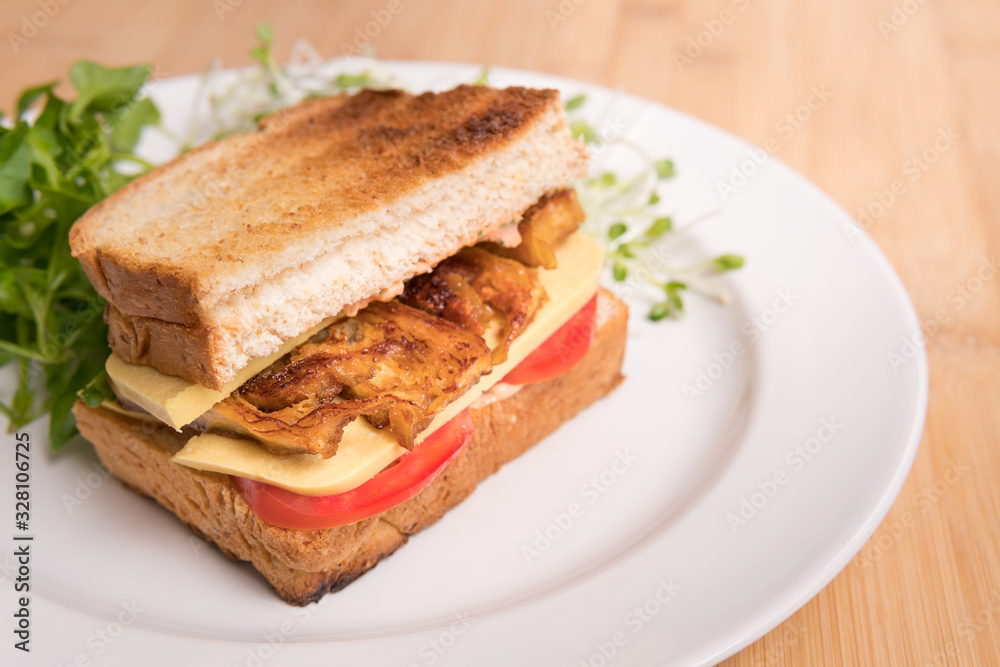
(304, 565)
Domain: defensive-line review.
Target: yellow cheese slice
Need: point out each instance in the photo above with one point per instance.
(116, 407)
(178, 402)
(363, 450)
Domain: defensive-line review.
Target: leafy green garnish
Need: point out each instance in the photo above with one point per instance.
(265, 35)
(59, 158)
(618, 271)
(728, 262)
(575, 102)
(237, 103)
(581, 129)
(483, 79)
(357, 81)
(97, 390)
(672, 305)
(616, 230)
(664, 168)
(623, 214)
(659, 227)
(102, 89)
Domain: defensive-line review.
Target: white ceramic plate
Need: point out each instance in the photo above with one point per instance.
(701, 520)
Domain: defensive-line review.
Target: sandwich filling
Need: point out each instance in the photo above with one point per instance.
(395, 364)
(368, 387)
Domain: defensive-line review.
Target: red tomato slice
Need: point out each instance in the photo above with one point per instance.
(397, 483)
(562, 351)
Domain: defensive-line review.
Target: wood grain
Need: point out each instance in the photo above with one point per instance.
(926, 589)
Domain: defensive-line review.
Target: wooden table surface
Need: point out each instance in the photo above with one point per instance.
(926, 588)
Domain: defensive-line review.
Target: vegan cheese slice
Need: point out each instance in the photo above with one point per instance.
(364, 450)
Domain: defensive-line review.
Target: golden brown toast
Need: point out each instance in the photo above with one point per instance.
(224, 253)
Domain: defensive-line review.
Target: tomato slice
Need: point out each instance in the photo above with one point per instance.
(561, 351)
(397, 483)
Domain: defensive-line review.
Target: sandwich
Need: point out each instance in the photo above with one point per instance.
(327, 332)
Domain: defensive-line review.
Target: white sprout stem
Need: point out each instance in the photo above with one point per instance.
(702, 287)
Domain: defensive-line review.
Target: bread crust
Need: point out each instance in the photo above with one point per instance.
(304, 565)
(170, 249)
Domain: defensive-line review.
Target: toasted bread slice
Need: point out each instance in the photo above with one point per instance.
(222, 254)
(304, 565)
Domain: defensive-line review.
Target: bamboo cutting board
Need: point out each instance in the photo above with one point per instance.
(908, 140)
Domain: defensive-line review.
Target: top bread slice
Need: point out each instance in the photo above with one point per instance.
(226, 252)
